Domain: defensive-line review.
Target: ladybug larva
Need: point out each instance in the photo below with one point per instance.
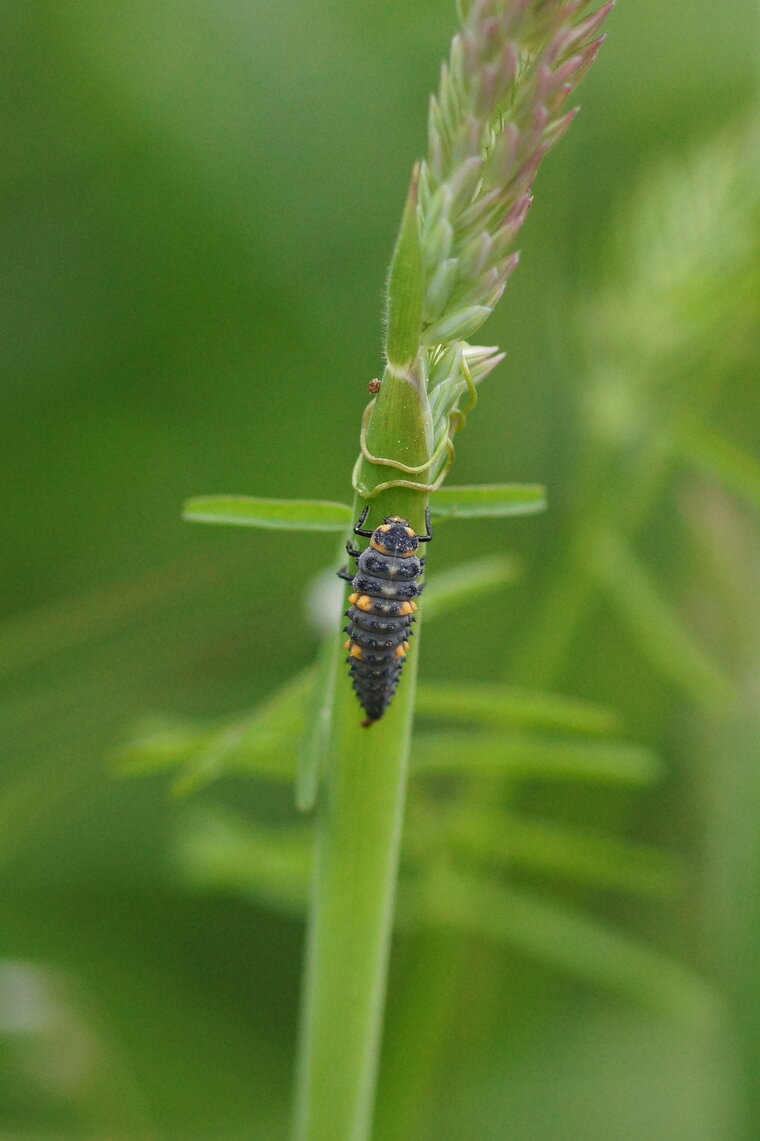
(382, 608)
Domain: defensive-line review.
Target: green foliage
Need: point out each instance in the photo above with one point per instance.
(198, 209)
(572, 942)
(494, 501)
(501, 706)
(467, 828)
(280, 514)
(405, 288)
(717, 457)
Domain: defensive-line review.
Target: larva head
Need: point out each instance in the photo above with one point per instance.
(394, 537)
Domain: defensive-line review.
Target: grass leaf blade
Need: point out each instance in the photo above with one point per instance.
(466, 582)
(493, 706)
(564, 937)
(489, 501)
(524, 755)
(275, 514)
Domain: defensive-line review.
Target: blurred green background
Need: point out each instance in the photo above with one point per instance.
(199, 204)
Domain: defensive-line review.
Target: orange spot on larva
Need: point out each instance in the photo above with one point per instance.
(356, 651)
(364, 603)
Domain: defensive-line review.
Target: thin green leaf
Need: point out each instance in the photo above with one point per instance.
(489, 500)
(723, 460)
(216, 850)
(315, 743)
(262, 742)
(156, 746)
(653, 622)
(264, 755)
(462, 584)
(590, 858)
(276, 514)
(405, 287)
(493, 706)
(524, 755)
(566, 939)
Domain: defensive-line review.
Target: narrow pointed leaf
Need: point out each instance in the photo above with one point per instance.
(489, 500)
(654, 623)
(566, 939)
(591, 858)
(461, 585)
(276, 514)
(406, 287)
(262, 742)
(217, 850)
(155, 747)
(525, 755)
(723, 460)
(494, 706)
(317, 735)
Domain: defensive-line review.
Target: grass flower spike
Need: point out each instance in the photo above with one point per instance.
(500, 107)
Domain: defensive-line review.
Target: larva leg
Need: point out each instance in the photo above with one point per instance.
(358, 529)
(428, 527)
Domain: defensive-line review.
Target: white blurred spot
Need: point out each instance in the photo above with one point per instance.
(51, 1040)
(27, 999)
(323, 604)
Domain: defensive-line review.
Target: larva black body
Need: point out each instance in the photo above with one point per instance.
(382, 608)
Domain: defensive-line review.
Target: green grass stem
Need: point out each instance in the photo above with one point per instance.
(360, 812)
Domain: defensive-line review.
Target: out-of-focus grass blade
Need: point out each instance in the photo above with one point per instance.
(314, 748)
(206, 755)
(603, 862)
(317, 732)
(277, 514)
(496, 706)
(493, 500)
(266, 755)
(654, 623)
(526, 755)
(731, 466)
(102, 612)
(567, 939)
(159, 744)
(262, 742)
(460, 585)
(217, 851)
